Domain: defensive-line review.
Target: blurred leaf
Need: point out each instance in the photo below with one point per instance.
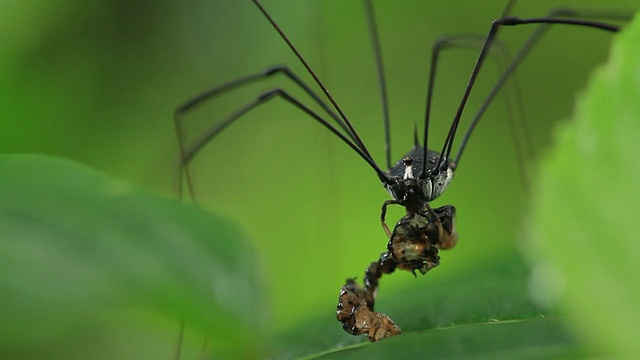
(472, 314)
(527, 339)
(92, 265)
(585, 228)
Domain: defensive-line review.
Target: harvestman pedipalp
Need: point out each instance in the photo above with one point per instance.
(419, 177)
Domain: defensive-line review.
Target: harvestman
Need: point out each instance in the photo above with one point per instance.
(421, 176)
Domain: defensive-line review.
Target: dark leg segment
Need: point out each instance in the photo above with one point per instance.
(186, 153)
(533, 39)
(383, 215)
(507, 21)
(192, 151)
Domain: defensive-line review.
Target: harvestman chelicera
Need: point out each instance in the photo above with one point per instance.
(421, 176)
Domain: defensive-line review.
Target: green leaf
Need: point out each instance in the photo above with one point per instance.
(94, 266)
(528, 339)
(585, 227)
(471, 314)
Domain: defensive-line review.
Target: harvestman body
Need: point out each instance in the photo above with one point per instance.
(418, 178)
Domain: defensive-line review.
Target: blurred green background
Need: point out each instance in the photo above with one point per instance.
(98, 81)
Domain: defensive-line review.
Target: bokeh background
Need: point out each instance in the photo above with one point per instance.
(98, 82)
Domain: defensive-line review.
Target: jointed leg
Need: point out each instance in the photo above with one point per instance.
(188, 106)
(560, 16)
(383, 214)
(192, 151)
(507, 21)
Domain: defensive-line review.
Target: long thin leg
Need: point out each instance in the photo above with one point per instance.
(318, 81)
(377, 53)
(533, 39)
(198, 100)
(191, 104)
(192, 151)
(509, 21)
(431, 83)
(180, 339)
(472, 41)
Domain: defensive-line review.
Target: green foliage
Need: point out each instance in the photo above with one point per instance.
(92, 265)
(584, 222)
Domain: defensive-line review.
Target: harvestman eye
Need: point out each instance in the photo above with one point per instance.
(419, 177)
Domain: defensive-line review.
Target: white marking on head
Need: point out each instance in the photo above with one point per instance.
(449, 177)
(408, 172)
